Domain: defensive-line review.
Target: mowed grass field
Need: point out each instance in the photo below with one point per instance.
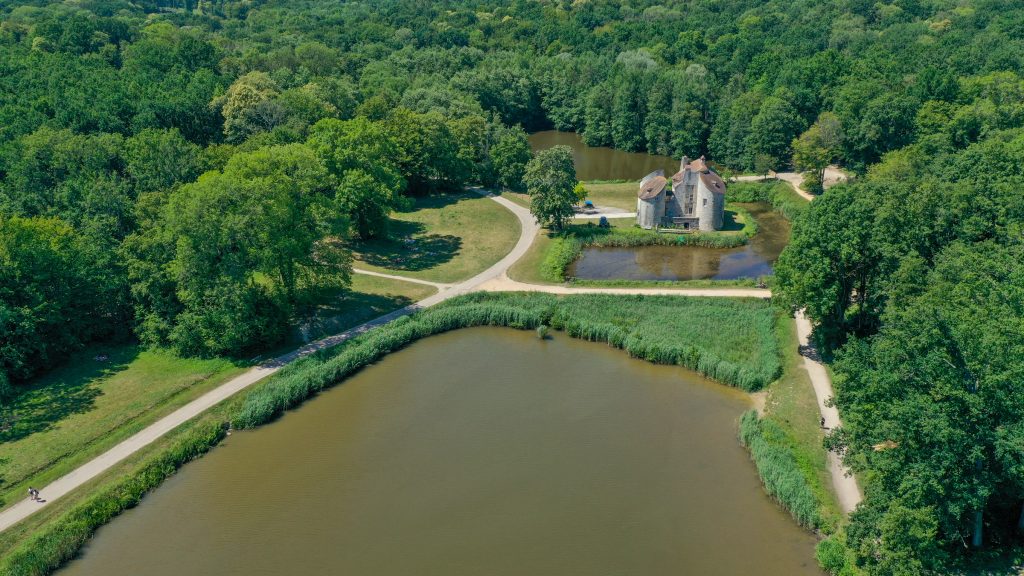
(445, 238)
(83, 408)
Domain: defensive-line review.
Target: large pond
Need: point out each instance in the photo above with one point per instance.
(600, 163)
(753, 260)
(481, 451)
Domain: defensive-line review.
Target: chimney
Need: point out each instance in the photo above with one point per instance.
(683, 163)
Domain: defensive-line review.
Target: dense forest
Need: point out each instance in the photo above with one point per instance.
(191, 174)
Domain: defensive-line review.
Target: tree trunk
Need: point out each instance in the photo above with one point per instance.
(976, 540)
(1020, 519)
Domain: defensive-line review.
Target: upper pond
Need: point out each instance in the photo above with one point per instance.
(481, 451)
(599, 163)
(753, 260)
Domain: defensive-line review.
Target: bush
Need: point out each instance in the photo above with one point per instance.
(778, 468)
(564, 251)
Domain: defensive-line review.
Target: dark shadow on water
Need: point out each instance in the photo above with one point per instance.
(729, 223)
(70, 390)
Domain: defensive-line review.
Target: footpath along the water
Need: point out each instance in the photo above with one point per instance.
(494, 278)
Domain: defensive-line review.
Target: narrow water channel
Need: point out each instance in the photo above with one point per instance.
(481, 451)
(753, 260)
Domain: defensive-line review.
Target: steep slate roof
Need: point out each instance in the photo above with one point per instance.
(708, 176)
(713, 181)
(650, 188)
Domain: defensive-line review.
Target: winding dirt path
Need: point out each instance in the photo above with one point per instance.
(833, 176)
(494, 278)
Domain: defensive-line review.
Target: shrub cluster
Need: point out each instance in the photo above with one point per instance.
(779, 469)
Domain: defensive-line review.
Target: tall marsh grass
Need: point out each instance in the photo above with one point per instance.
(778, 468)
(732, 341)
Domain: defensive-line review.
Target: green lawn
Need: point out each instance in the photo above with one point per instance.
(445, 238)
(605, 194)
(614, 195)
(528, 268)
(76, 412)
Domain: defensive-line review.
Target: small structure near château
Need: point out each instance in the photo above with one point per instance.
(694, 201)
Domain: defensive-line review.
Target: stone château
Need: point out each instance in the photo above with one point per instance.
(694, 201)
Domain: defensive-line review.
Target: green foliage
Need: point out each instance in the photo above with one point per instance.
(50, 301)
(778, 468)
(550, 179)
(361, 156)
(779, 194)
(509, 157)
(237, 251)
(563, 251)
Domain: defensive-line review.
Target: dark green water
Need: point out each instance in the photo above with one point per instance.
(753, 260)
(600, 163)
(477, 452)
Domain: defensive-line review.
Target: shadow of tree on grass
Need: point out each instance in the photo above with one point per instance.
(408, 249)
(350, 309)
(72, 389)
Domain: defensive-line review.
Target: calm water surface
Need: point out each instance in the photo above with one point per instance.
(753, 260)
(482, 451)
(599, 163)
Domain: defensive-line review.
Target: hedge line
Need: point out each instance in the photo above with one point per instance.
(778, 468)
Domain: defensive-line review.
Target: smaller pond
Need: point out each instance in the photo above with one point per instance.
(600, 163)
(753, 260)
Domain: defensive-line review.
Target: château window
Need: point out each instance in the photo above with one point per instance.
(705, 202)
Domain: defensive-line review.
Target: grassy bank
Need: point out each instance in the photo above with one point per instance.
(688, 332)
(786, 442)
(82, 409)
(779, 194)
(444, 238)
(677, 330)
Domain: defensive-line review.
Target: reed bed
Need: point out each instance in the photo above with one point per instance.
(732, 341)
(778, 468)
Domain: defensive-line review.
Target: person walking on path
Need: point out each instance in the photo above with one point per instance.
(33, 494)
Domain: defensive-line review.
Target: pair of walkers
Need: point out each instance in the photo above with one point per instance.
(33, 494)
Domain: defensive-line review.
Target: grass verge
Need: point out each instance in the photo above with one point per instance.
(445, 238)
